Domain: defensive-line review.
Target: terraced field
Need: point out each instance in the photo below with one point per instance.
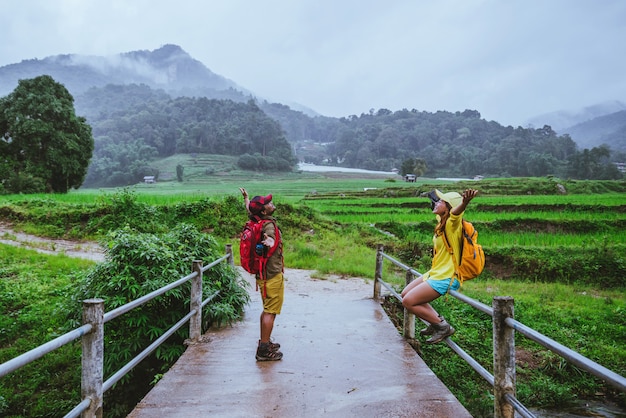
(567, 237)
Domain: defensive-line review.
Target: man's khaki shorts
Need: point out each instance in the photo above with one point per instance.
(274, 293)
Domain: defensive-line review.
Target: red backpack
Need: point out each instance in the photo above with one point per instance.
(253, 259)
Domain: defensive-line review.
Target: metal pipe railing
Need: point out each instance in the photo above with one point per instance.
(609, 376)
(94, 317)
(504, 380)
(146, 298)
(38, 352)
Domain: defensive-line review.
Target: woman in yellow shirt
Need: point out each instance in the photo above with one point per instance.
(417, 295)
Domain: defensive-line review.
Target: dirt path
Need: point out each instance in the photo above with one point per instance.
(86, 249)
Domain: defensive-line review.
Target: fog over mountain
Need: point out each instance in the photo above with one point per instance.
(563, 119)
(591, 126)
(609, 129)
(169, 68)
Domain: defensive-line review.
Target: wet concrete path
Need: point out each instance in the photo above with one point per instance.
(342, 358)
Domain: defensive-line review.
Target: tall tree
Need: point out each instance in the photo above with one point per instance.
(45, 146)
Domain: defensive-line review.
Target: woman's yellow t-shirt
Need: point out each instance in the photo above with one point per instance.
(443, 266)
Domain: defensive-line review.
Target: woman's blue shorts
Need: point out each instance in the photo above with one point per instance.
(441, 286)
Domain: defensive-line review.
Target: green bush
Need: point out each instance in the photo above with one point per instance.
(122, 209)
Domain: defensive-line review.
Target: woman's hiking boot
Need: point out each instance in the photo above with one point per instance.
(430, 329)
(442, 331)
(265, 352)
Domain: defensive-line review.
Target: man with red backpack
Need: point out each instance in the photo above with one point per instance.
(268, 267)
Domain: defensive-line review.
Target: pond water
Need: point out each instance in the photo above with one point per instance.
(326, 168)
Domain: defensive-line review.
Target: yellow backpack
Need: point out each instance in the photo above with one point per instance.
(472, 254)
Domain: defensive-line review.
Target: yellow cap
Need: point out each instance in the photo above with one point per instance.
(453, 198)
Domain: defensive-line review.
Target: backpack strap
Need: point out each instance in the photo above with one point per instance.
(451, 252)
(263, 260)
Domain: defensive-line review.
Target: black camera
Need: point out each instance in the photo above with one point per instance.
(432, 195)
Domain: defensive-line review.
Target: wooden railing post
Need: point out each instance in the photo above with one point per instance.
(93, 357)
(195, 322)
(503, 356)
(378, 274)
(229, 251)
(409, 318)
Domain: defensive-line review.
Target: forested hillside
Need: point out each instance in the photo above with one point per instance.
(448, 144)
(134, 125)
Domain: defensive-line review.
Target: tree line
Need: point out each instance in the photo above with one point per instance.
(46, 147)
(442, 144)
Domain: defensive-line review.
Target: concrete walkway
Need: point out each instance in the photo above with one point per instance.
(342, 358)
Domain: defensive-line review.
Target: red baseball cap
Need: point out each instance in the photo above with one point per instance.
(257, 203)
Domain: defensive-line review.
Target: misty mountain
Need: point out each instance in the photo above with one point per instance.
(608, 129)
(592, 126)
(562, 119)
(169, 68)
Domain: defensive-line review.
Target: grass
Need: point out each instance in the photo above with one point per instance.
(531, 239)
(588, 320)
(32, 287)
(316, 253)
(369, 216)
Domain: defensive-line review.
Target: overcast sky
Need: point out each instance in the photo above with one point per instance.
(508, 59)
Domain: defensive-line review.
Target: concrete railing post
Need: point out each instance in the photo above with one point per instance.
(503, 356)
(378, 274)
(229, 251)
(195, 322)
(409, 318)
(93, 357)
